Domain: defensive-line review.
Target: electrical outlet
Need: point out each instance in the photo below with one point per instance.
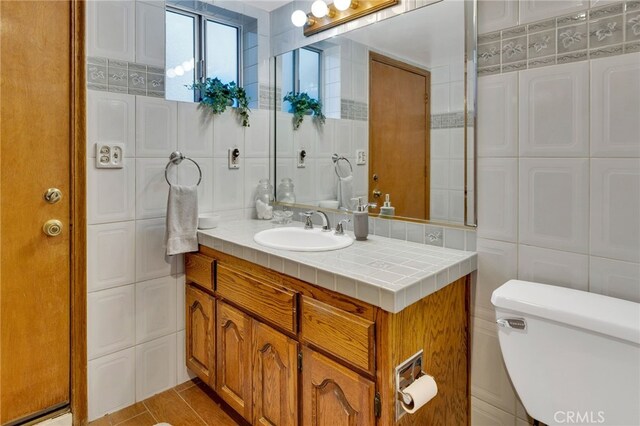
(234, 158)
(361, 157)
(109, 155)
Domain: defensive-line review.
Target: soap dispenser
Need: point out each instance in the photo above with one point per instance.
(361, 219)
(387, 209)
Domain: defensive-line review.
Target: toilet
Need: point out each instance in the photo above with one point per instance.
(573, 356)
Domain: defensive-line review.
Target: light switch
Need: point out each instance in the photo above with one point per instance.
(109, 155)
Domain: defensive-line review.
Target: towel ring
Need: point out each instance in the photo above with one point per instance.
(336, 158)
(176, 158)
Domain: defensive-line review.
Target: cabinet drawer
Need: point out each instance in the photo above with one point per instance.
(269, 301)
(341, 333)
(199, 269)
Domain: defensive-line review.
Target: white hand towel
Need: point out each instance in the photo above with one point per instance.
(345, 191)
(182, 219)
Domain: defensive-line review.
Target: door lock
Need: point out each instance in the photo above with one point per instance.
(52, 195)
(52, 228)
(376, 193)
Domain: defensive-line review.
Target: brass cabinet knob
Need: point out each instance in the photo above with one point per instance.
(376, 193)
(52, 227)
(53, 195)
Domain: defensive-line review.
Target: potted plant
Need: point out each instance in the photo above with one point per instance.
(302, 104)
(217, 96)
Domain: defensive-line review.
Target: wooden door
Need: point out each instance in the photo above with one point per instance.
(42, 133)
(275, 377)
(399, 135)
(200, 339)
(233, 363)
(333, 395)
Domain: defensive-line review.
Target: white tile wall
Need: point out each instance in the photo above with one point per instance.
(614, 130)
(111, 255)
(561, 141)
(111, 29)
(554, 111)
(111, 118)
(112, 383)
(136, 294)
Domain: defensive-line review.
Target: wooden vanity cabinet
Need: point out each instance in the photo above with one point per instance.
(284, 352)
(200, 334)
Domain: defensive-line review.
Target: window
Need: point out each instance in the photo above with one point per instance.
(301, 73)
(198, 47)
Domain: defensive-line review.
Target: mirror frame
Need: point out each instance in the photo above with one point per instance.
(470, 114)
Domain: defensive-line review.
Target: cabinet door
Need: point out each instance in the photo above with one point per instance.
(200, 324)
(234, 358)
(275, 377)
(333, 395)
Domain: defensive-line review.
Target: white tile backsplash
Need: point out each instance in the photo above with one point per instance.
(498, 198)
(156, 127)
(150, 39)
(152, 189)
(614, 278)
(195, 130)
(554, 267)
(498, 113)
(151, 261)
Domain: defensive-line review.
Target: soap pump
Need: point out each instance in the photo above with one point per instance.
(361, 219)
(387, 209)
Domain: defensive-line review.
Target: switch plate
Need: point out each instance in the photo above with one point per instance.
(109, 155)
(302, 156)
(361, 157)
(234, 158)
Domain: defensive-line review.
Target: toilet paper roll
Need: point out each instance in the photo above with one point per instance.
(421, 391)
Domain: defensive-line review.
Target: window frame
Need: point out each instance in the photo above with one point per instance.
(200, 41)
(296, 69)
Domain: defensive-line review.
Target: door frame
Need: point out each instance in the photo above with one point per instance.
(377, 57)
(78, 219)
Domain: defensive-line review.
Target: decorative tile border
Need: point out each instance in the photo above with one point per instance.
(109, 75)
(354, 110)
(450, 120)
(590, 34)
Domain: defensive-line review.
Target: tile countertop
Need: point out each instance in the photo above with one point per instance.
(384, 272)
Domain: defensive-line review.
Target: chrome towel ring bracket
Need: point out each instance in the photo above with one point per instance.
(336, 158)
(176, 158)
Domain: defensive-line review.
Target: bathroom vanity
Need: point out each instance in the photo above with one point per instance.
(290, 338)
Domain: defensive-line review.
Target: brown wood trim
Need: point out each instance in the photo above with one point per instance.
(79, 403)
(374, 56)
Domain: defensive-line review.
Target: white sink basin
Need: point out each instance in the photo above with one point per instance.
(299, 239)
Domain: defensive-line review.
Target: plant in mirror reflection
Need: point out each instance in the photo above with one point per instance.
(217, 96)
(302, 104)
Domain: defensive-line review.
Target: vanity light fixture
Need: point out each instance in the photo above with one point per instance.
(323, 16)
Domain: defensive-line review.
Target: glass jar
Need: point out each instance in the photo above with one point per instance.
(285, 192)
(264, 199)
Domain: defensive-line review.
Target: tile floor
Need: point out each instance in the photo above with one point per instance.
(189, 404)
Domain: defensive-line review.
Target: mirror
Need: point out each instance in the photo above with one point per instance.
(398, 99)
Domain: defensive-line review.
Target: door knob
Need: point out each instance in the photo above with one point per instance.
(376, 193)
(52, 227)
(53, 195)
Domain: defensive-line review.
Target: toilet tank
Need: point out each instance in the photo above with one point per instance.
(572, 356)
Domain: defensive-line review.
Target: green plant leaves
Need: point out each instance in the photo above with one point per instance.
(301, 103)
(217, 96)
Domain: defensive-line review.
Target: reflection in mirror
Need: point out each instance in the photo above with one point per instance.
(393, 94)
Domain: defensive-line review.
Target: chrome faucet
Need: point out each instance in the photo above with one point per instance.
(308, 223)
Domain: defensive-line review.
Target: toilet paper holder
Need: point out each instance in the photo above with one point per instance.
(406, 373)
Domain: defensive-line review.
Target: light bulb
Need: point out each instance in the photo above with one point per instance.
(179, 70)
(299, 18)
(342, 5)
(319, 8)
